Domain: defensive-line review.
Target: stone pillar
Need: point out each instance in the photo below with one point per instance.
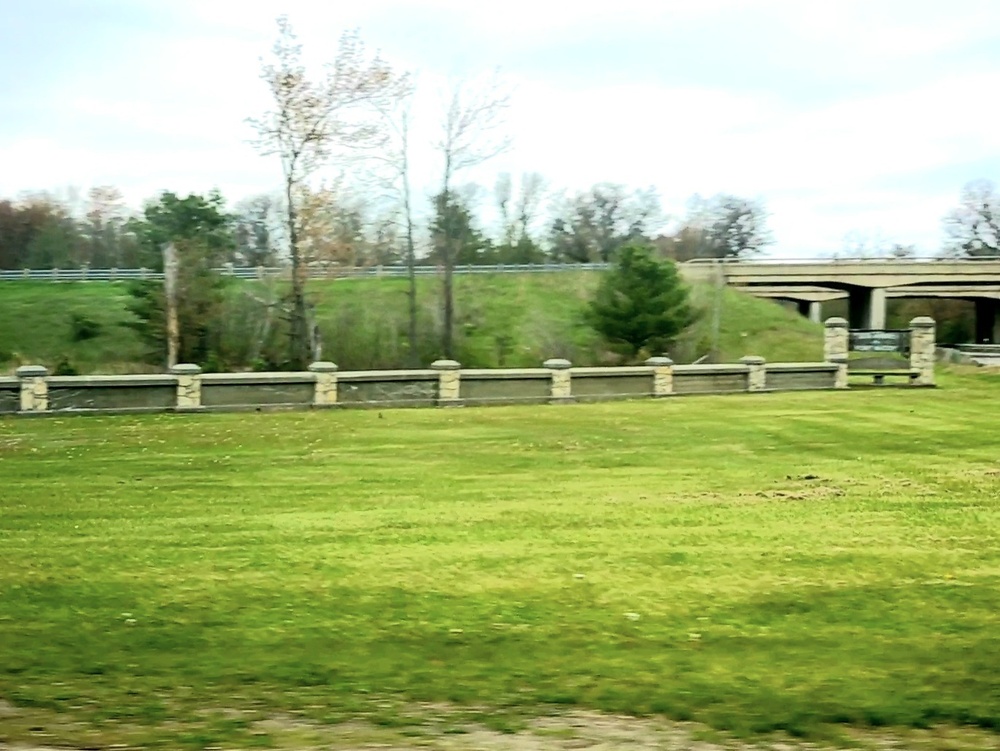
(663, 375)
(840, 377)
(34, 388)
(449, 382)
(922, 350)
(325, 394)
(757, 375)
(835, 339)
(816, 312)
(562, 388)
(188, 387)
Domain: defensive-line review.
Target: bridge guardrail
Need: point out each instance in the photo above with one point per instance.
(823, 261)
(314, 272)
(333, 271)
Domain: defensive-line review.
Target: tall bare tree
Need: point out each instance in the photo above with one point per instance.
(396, 158)
(592, 226)
(309, 121)
(103, 224)
(517, 214)
(472, 133)
(723, 226)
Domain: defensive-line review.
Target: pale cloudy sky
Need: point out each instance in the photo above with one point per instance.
(844, 116)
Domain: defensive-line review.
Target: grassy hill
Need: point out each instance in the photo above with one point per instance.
(502, 320)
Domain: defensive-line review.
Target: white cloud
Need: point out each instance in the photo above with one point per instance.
(844, 118)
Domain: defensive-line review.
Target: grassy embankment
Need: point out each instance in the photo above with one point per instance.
(802, 563)
(503, 320)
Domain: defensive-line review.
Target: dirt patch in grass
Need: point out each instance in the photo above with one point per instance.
(451, 729)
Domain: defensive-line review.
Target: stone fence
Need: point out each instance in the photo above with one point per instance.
(445, 383)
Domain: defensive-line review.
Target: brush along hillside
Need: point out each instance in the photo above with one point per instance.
(503, 320)
(819, 564)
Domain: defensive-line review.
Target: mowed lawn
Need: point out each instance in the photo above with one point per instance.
(777, 562)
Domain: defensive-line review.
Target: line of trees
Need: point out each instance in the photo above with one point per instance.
(355, 118)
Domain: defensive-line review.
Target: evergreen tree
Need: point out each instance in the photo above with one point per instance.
(201, 232)
(641, 305)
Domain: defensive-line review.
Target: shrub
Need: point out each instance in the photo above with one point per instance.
(83, 328)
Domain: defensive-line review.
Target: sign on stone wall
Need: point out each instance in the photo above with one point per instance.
(879, 341)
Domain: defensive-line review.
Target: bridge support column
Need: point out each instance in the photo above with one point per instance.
(811, 310)
(987, 321)
(867, 308)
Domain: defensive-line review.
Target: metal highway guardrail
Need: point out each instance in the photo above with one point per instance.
(331, 271)
(315, 272)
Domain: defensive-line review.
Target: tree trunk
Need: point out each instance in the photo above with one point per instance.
(411, 262)
(411, 258)
(298, 350)
(170, 273)
(447, 338)
(447, 343)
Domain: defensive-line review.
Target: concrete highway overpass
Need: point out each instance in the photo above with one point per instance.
(867, 284)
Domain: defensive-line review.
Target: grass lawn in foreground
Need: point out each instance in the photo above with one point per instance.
(778, 562)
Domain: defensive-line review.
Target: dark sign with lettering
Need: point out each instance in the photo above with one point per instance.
(880, 341)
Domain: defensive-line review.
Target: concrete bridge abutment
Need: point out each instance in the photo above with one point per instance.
(866, 307)
(811, 310)
(987, 321)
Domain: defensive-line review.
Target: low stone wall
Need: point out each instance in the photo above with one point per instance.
(384, 388)
(124, 393)
(253, 390)
(501, 386)
(187, 389)
(10, 395)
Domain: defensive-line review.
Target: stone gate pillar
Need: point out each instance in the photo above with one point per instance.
(923, 350)
(835, 339)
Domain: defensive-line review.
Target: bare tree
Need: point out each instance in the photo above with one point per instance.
(973, 228)
(858, 244)
(472, 133)
(310, 119)
(592, 226)
(517, 214)
(723, 226)
(397, 159)
(259, 221)
(104, 224)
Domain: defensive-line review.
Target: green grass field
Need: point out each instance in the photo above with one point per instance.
(792, 563)
(503, 320)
